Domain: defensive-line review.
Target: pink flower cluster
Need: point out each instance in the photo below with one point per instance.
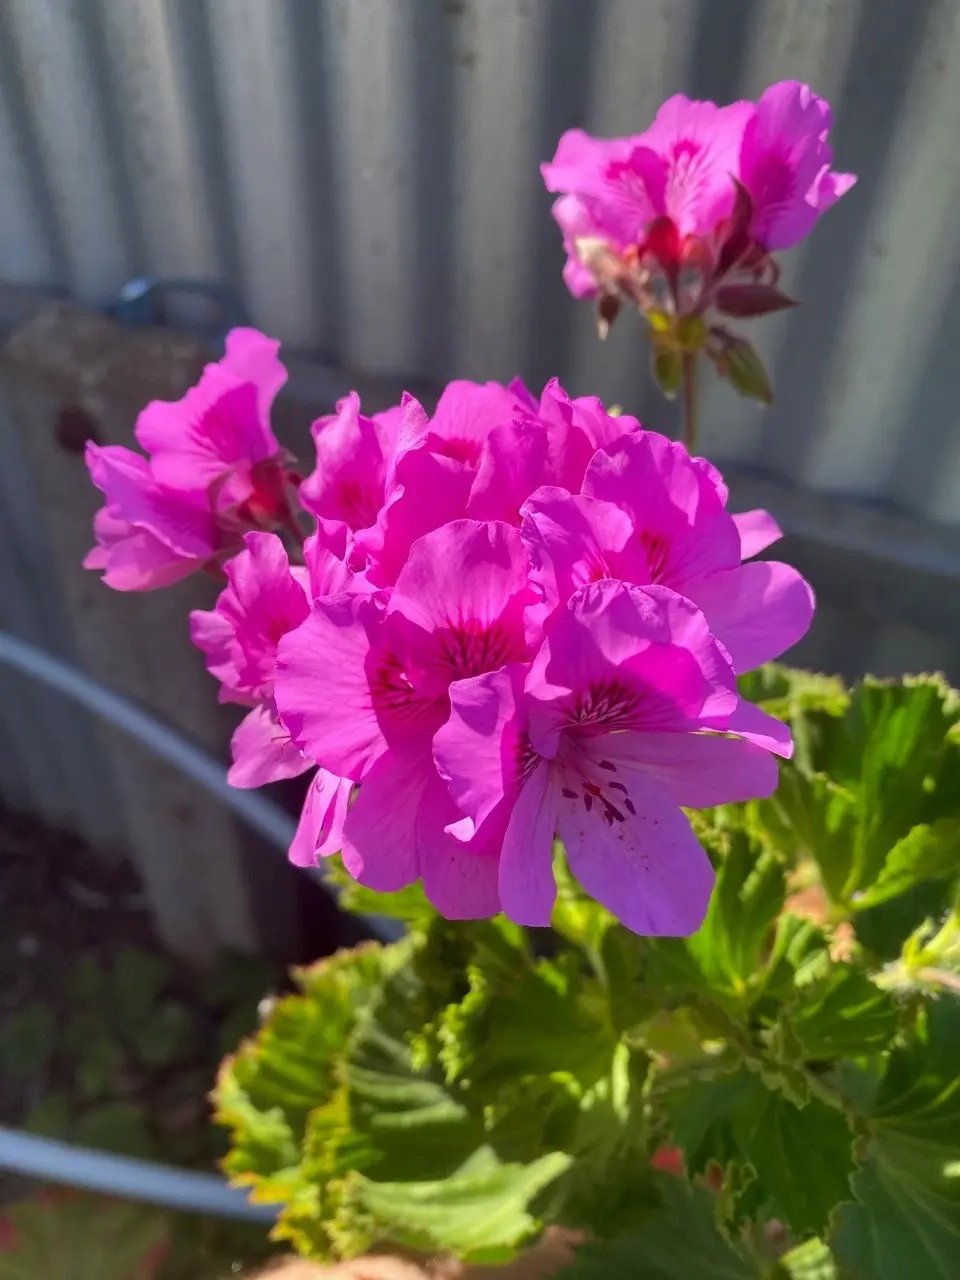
(514, 619)
(673, 190)
(214, 470)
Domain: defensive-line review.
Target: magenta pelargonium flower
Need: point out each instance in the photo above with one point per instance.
(148, 536)
(391, 478)
(628, 711)
(649, 513)
(214, 470)
(683, 169)
(220, 430)
(517, 618)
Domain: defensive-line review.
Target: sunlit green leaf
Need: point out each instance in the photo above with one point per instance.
(811, 1260)
(747, 899)
(265, 1092)
(930, 851)
(844, 1016)
(481, 1210)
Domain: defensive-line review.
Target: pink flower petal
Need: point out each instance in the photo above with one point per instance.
(250, 356)
(678, 514)
(220, 423)
(380, 833)
(431, 491)
(323, 686)
(573, 540)
(342, 692)
(699, 145)
(262, 602)
(527, 887)
(649, 869)
(758, 530)
(457, 609)
(348, 481)
(466, 413)
(756, 611)
(181, 521)
(785, 164)
(512, 466)
(262, 750)
(477, 750)
(696, 770)
(625, 657)
(748, 721)
(459, 877)
(320, 829)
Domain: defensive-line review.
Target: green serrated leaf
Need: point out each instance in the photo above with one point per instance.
(408, 1115)
(889, 751)
(818, 817)
(747, 899)
(681, 1242)
(930, 851)
(845, 1015)
(554, 1020)
(802, 1156)
(266, 1091)
(479, 1212)
(907, 1219)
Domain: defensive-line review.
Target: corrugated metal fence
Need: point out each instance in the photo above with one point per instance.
(365, 173)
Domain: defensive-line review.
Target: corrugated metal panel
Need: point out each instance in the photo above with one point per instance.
(365, 173)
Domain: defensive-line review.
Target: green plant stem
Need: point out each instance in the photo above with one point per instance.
(690, 406)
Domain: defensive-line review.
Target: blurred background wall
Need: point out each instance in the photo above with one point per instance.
(364, 175)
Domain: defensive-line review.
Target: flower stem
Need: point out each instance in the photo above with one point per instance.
(690, 406)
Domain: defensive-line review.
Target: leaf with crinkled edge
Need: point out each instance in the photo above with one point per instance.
(843, 1016)
(888, 764)
(481, 1212)
(610, 1187)
(907, 1219)
(930, 851)
(554, 1020)
(415, 1123)
(680, 1242)
(802, 1156)
(891, 751)
(747, 899)
(267, 1089)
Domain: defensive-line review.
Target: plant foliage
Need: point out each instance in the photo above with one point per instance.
(776, 1096)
